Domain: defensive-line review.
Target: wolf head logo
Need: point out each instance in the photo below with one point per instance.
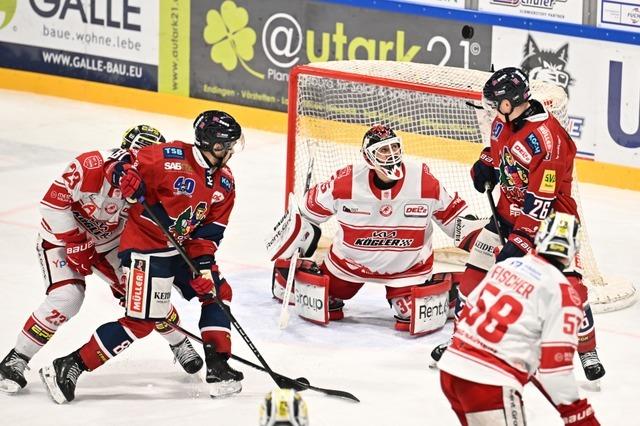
(547, 65)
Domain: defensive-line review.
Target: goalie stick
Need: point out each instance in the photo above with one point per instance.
(280, 380)
(283, 321)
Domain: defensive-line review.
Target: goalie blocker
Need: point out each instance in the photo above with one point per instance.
(420, 309)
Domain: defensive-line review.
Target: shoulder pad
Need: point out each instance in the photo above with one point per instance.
(92, 171)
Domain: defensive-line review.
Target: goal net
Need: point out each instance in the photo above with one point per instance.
(332, 104)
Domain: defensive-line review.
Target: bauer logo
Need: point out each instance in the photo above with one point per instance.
(7, 11)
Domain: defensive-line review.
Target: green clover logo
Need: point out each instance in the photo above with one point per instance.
(230, 39)
(9, 9)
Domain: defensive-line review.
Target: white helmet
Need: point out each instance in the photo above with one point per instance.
(283, 407)
(382, 151)
(558, 237)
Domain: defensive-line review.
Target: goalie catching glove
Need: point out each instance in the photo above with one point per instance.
(291, 233)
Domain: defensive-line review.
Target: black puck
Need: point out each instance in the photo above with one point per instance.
(303, 380)
(467, 31)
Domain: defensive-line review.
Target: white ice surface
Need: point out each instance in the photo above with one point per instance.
(362, 354)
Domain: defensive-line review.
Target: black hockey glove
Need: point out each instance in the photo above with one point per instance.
(517, 246)
(482, 171)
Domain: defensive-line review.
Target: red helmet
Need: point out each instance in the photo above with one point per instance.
(382, 150)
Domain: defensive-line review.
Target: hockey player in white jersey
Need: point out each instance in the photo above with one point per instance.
(385, 209)
(83, 215)
(521, 320)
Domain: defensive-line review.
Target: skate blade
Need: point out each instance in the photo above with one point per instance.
(224, 389)
(9, 387)
(48, 377)
(433, 364)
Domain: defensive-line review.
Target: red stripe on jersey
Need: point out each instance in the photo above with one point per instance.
(556, 357)
(342, 184)
(473, 353)
(452, 211)
(430, 186)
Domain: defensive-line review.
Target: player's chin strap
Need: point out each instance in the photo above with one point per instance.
(280, 380)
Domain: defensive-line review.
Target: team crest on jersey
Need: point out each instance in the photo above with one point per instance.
(416, 210)
(92, 162)
(386, 210)
(497, 129)
(187, 221)
(512, 173)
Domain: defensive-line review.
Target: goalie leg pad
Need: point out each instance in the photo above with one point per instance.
(312, 296)
(422, 309)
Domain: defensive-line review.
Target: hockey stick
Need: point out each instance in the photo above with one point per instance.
(494, 211)
(284, 310)
(280, 380)
(299, 384)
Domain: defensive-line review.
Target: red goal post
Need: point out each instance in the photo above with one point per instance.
(332, 104)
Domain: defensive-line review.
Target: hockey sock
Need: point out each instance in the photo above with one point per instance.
(170, 335)
(60, 305)
(112, 338)
(215, 327)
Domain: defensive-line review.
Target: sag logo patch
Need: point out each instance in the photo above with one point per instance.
(548, 183)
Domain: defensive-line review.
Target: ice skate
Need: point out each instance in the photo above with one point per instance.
(188, 358)
(223, 380)
(60, 378)
(12, 372)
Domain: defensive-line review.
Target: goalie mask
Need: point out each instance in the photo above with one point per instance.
(140, 136)
(510, 84)
(558, 237)
(218, 133)
(283, 407)
(382, 151)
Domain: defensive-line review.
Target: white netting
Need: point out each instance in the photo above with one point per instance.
(427, 105)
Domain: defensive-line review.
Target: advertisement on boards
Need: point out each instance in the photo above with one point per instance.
(603, 89)
(242, 50)
(621, 15)
(553, 10)
(457, 4)
(110, 41)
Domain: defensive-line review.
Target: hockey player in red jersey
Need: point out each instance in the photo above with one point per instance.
(385, 209)
(83, 216)
(191, 190)
(531, 159)
(521, 319)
